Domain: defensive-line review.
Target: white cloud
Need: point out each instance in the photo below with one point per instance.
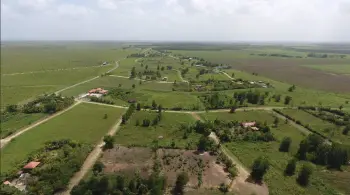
(74, 10)
(35, 4)
(232, 20)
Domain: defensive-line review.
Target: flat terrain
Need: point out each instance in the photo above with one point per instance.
(166, 132)
(281, 69)
(337, 69)
(15, 122)
(323, 127)
(84, 123)
(129, 160)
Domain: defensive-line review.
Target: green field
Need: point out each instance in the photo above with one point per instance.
(84, 123)
(301, 96)
(38, 57)
(169, 128)
(325, 128)
(336, 68)
(17, 121)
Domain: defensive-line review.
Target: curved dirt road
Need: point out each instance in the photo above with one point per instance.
(6, 140)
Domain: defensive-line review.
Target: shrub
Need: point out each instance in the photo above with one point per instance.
(290, 168)
(304, 175)
(285, 144)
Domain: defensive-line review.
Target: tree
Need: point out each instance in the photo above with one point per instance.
(224, 188)
(146, 67)
(285, 144)
(205, 144)
(162, 69)
(346, 130)
(290, 168)
(337, 157)
(276, 121)
(233, 109)
(12, 108)
(133, 86)
(98, 167)
(287, 100)
(181, 181)
(133, 73)
(259, 169)
(341, 107)
(304, 175)
(303, 149)
(154, 104)
(233, 75)
(138, 106)
(105, 116)
(109, 142)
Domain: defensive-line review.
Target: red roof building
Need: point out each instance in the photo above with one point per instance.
(31, 165)
(7, 183)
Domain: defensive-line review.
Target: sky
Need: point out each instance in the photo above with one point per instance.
(177, 20)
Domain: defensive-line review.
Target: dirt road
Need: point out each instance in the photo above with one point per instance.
(240, 184)
(89, 162)
(227, 75)
(5, 141)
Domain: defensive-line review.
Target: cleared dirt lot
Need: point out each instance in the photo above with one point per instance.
(128, 160)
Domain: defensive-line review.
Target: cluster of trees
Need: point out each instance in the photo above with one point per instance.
(45, 104)
(184, 71)
(230, 167)
(128, 113)
(136, 55)
(277, 55)
(253, 97)
(335, 116)
(101, 100)
(315, 149)
(119, 184)
(56, 171)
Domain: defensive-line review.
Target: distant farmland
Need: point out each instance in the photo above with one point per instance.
(283, 69)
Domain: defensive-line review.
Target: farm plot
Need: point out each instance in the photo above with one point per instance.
(39, 57)
(323, 127)
(130, 160)
(10, 123)
(167, 133)
(285, 70)
(18, 88)
(336, 68)
(85, 123)
(300, 96)
(278, 184)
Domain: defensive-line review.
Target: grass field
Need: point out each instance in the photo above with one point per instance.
(325, 128)
(247, 152)
(84, 123)
(18, 121)
(41, 56)
(281, 69)
(337, 68)
(169, 128)
(17, 88)
(301, 96)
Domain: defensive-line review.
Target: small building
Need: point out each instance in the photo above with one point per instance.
(254, 128)
(31, 165)
(7, 183)
(164, 78)
(248, 124)
(105, 63)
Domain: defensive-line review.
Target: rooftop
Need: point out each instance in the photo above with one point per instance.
(31, 165)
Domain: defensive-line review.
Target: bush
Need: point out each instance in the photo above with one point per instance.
(109, 142)
(285, 144)
(290, 168)
(259, 169)
(304, 175)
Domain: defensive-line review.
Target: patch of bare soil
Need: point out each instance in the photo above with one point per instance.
(197, 166)
(128, 160)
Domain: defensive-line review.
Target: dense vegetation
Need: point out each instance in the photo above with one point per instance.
(59, 161)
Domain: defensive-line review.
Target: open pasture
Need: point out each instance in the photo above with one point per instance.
(340, 69)
(85, 123)
(168, 131)
(282, 69)
(41, 56)
(323, 127)
(21, 87)
(13, 122)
